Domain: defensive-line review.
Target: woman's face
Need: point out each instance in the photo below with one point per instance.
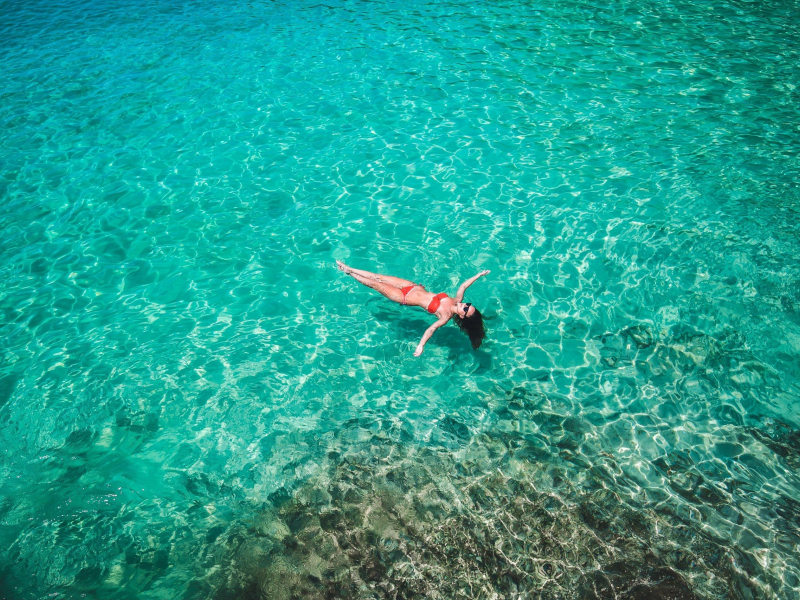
(465, 309)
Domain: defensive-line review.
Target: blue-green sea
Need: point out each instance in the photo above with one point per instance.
(194, 402)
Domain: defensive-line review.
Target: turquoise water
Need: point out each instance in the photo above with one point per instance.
(195, 404)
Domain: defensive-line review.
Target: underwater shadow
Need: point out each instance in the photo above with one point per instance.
(449, 336)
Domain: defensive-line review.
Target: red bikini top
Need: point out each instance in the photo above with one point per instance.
(435, 302)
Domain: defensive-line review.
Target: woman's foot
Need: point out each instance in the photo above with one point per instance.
(343, 267)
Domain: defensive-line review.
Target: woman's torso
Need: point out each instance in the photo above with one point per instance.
(419, 296)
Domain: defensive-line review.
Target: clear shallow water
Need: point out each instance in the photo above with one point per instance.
(195, 404)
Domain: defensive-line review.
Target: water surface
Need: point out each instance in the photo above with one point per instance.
(195, 404)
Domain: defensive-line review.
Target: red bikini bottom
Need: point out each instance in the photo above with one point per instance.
(407, 289)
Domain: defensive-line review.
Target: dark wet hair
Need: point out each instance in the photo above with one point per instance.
(473, 327)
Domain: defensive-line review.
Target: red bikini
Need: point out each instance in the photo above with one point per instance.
(407, 289)
(435, 301)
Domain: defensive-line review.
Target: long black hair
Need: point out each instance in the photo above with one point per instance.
(473, 327)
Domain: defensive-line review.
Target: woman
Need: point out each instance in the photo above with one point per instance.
(407, 292)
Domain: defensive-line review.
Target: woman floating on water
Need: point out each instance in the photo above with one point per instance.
(407, 292)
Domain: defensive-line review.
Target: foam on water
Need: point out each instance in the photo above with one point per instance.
(194, 403)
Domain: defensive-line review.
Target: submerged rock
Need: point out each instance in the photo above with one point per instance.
(633, 581)
(783, 441)
(431, 525)
(641, 335)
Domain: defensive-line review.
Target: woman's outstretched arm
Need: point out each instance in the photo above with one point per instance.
(427, 335)
(467, 283)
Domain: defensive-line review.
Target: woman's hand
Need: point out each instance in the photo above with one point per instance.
(484, 273)
(429, 333)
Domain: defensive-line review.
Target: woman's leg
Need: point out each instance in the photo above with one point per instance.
(395, 281)
(391, 292)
